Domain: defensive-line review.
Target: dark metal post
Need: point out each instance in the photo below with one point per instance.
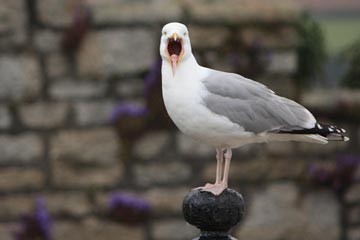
(214, 215)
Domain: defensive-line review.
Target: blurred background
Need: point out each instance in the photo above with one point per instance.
(87, 150)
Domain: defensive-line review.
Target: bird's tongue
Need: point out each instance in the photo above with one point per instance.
(174, 58)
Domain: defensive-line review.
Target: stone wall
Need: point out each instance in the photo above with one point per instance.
(56, 139)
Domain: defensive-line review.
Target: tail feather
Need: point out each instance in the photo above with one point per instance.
(325, 131)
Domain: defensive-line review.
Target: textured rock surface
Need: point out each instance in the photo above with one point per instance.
(22, 148)
(15, 206)
(69, 204)
(5, 118)
(86, 158)
(101, 55)
(93, 113)
(20, 179)
(94, 229)
(44, 114)
(20, 77)
(166, 173)
(146, 149)
(173, 229)
(74, 89)
(12, 24)
(276, 212)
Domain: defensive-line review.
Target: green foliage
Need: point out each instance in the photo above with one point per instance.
(352, 76)
(310, 51)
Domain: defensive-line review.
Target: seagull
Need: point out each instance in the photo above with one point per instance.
(227, 110)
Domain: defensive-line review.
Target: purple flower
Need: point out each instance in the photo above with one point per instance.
(320, 176)
(340, 177)
(127, 109)
(128, 209)
(36, 225)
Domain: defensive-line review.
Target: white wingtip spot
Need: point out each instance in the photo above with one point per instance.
(343, 130)
(346, 139)
(319, 126)
(338, 130)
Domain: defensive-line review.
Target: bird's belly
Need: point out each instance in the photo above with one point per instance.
(192, 117)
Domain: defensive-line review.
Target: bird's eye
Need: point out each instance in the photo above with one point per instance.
(164, 33)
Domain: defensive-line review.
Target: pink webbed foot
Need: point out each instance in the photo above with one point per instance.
(206, 186)
(215, 189)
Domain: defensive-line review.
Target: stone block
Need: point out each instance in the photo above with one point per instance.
(354, 215)
(130, 88)
(72, 89)
(5, 118)
(15, 206)
(216, 60)
(56, 13)
(240, 11)
(121, 11)
(207, 37)
(321, 149)
(354, 233)
(258, 169)
(12, 23)
(112, 52)
(280, 148)
(86, 158)
(93, 113)
(152, 144)
(44, 114)
(22, 148)
(90, 58)
(20, 77)
(174, 172)
(278, 38)
(190, 147)
(70, 204)
(174, 229)
(282, 62)
(282, 86)
(7, 230)
(166, 201)
(275, 213)
(56, 65)
(17, 178)
(46, 41)
(94, 229)
(353, 195)
(96, 146)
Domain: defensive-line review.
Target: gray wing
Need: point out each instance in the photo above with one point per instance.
(252, 105)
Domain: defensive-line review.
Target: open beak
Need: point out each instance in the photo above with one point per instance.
(175, 50)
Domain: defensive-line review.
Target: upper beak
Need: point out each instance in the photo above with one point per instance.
(175, 36)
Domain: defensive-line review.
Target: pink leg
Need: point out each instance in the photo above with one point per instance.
(219, 187)
(220, 159)
(228, 156)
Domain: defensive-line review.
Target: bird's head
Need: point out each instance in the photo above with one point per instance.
(175, 44)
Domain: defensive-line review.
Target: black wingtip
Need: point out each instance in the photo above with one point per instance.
(331, 132)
